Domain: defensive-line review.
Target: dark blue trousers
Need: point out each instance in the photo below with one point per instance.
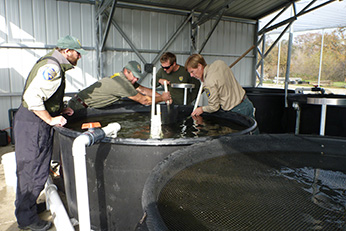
(33, 148)
(245, 108)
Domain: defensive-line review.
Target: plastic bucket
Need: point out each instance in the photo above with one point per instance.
(8, 160)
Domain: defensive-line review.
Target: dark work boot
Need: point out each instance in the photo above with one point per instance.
(39, 225)
(41, 207)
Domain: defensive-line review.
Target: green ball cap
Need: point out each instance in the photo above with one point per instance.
(135, 68)
(70, 42)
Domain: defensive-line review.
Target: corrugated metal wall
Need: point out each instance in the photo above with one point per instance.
(149, 32)
(152, 30)
(30, 28)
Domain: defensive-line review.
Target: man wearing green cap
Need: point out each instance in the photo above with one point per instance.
(111, 89)
(40, 110)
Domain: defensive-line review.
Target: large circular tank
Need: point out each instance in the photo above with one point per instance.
(310, 114)
(262, 182)
(117, 168)
(271, 114)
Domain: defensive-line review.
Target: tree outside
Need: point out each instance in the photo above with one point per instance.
(305, 58)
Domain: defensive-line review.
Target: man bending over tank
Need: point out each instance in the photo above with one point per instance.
(111, 89)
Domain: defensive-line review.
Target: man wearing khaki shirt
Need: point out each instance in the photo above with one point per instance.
(221, 87)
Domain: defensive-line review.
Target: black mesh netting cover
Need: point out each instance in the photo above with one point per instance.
(264, 183)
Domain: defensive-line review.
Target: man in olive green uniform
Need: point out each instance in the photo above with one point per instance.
(111, 89)
(41, 109)
(172, 72)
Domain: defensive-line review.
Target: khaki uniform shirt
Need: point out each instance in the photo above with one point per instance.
(43, 81)
(221, 87)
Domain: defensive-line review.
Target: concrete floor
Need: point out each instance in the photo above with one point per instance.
(7, 197)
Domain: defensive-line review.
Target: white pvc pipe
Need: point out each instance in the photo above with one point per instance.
(153, 94)
(79, 160)
(166, 90)
(198, 96)
(155, 125)
(111, 130)
(323, 119)
(79, 152)
(60, 218)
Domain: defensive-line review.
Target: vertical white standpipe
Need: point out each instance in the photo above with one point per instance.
(155, 127)
(153, 94)
(198, 96)
(166, 90)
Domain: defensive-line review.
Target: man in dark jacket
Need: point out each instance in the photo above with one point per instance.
(41, 109)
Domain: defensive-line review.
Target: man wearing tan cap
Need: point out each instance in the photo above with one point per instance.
(40, 110)
(111, 89)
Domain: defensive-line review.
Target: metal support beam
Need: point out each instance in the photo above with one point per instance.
(98, 27)
(169, 42)
(271, 21)
(287, 22)
(321, 59)
(305, 10)
(206, 17)
(203, 12)
(128, 40)
(288, 66)
(105, 35)
(263, 56)
(101, 7)
(212, 30)
(262, 60)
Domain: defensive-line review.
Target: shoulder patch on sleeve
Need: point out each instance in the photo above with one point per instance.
(50, 73)
(181, 78)
(207, 91)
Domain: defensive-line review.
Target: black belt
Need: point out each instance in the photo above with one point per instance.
(243, 99)
(81, 101)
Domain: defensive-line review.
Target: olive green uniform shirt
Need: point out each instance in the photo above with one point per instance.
(221, 87)
(105, 92)
(180, 76)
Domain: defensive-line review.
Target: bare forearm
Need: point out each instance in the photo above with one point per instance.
(46, 117)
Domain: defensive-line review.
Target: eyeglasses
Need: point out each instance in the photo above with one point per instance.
(165, 68)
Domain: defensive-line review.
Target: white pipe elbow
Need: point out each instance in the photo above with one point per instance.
(112, 129)
(79, 144)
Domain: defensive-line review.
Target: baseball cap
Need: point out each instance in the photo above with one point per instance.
(135, 68)
(70, 42)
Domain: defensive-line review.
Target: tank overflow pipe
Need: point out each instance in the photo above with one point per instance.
(153, 93)
(54, 204)
(155, 125)
(79, 145)
(198, 96)
(166, 90)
